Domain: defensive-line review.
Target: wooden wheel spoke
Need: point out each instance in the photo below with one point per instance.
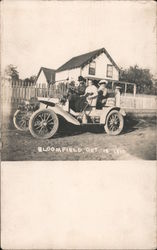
(111, 127)
(50, 122)
(115, 128)
(23, 124)
(48, 117)
(116, 118)
(22, 121)
(45, 116)
(38, 121)
(39, 126)
(19, 116)
(50, 126)
(110, 122)
(46, 130)
(41, 130)
(40, 117)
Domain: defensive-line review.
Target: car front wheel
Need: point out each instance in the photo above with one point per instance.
(43, 124)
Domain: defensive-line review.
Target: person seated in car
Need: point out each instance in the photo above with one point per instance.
(77, 101)
(102, 94)
(72, 95)
(91, 93)
(117, 96)
(81, 88)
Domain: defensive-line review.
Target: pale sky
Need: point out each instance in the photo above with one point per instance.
(48, 33)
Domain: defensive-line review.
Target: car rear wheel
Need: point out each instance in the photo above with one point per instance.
(114, 123)
(43, 124)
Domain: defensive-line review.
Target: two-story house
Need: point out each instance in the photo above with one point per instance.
(97, 65)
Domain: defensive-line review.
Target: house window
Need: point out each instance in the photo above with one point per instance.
(109, 72)
(92, 67)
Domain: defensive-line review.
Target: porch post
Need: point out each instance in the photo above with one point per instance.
(112, 84)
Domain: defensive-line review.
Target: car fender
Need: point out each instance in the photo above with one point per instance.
(107, 110)
(46, 103)
(59, 111)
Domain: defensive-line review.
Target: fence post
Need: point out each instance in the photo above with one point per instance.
(22, 90)
(125, 88)
(134, 89)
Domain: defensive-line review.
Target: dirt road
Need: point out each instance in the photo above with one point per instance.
(138, 141)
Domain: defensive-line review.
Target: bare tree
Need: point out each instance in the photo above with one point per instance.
(12, 72)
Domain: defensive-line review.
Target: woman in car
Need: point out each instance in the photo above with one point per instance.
(102, 94)
(91, 93)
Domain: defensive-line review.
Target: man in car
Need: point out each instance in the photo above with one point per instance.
(76, 97)
(81, 88)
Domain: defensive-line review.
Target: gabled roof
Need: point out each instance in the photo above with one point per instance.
(82, 60)
(49, 74)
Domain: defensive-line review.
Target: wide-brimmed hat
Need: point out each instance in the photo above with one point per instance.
(103, 81)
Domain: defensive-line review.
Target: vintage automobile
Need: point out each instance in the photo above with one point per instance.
(42, 117)
(44, 122)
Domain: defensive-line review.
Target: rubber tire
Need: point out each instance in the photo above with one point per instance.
(52, 132)
(117, 132)
(15, 123)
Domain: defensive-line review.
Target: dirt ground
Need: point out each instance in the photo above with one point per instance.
(138, 141)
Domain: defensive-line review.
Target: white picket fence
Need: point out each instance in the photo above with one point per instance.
(18, 92)
(139, 102)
